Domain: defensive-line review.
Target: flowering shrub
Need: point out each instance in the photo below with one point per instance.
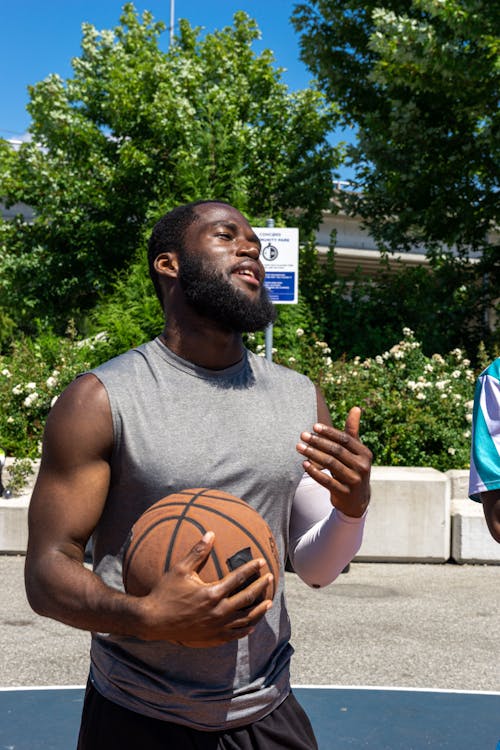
(417, 410)
(31, 378)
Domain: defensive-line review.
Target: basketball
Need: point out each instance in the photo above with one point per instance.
(168, 530)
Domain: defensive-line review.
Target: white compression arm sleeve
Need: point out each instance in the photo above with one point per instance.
(323, 540)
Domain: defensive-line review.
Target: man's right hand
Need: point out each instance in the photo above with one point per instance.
(184, 609)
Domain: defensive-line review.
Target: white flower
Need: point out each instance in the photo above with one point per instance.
(6, 373)
(428, 368)
(29, 400)
(53, 401)
(451, 451)
(51, 382)
(299, 332)
(407, 332)
(379, 360)
(420, 395)
(456, 374)
(441, 384)
(468, 418)
(292, 360)
(469, 405)
(10, 420)
(31, 386)
(17, 390)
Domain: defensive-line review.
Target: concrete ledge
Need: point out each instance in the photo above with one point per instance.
(409, 516)
(471, 541)
(14, 524)
(416, 515)
(14, 513)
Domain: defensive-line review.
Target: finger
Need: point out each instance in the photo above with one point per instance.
(252, 594)
(239, 578)
(337, 480)
(248, 620)
(341, 437)
(352, 422)
(197, 556)
(327, 454)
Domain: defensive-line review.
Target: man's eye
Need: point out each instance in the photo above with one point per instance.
(225, 235)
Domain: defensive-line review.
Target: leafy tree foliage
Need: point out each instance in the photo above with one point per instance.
(420, 80)
(137, 130)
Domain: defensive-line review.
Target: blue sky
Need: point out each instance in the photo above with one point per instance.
(40, 37)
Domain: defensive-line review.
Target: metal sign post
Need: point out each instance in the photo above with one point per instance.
(280, 257)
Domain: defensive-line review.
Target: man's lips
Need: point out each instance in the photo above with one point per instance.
(249, 272)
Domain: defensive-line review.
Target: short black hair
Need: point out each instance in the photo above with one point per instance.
(168, 235)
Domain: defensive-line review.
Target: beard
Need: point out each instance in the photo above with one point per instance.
(212, 296)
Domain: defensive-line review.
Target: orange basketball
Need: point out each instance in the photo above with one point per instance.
(170, 528)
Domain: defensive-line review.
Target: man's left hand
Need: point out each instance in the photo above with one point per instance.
(347, 459)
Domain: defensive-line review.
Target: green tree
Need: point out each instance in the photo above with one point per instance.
(137, 130)
(420, 80)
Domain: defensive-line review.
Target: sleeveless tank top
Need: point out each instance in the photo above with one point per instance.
(178, 426)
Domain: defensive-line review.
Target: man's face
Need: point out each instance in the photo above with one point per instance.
(220, 272)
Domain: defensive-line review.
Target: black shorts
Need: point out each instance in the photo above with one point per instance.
(107, 726)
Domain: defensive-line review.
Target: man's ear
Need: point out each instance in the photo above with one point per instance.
(167, 264)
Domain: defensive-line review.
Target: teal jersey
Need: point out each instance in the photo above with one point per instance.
(485, 452)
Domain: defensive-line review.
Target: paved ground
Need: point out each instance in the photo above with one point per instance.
(404, 625)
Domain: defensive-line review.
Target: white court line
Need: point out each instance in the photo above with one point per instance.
(42, 687)
(397, 689)
(307, 687)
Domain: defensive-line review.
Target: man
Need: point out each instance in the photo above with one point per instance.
(484, 480)
(192, 408)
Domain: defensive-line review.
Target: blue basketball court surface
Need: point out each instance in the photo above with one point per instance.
(344, 718)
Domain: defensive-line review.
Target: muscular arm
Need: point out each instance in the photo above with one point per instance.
(491, 508)
(66, 505)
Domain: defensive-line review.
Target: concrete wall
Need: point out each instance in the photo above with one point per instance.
(409, 516)
(416, 515)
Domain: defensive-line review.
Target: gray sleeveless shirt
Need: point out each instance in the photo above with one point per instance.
(176, 426)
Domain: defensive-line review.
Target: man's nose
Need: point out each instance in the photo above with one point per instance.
(249, 249)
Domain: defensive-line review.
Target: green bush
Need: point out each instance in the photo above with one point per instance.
(417, 410)
(31, 378)
(445, 303)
